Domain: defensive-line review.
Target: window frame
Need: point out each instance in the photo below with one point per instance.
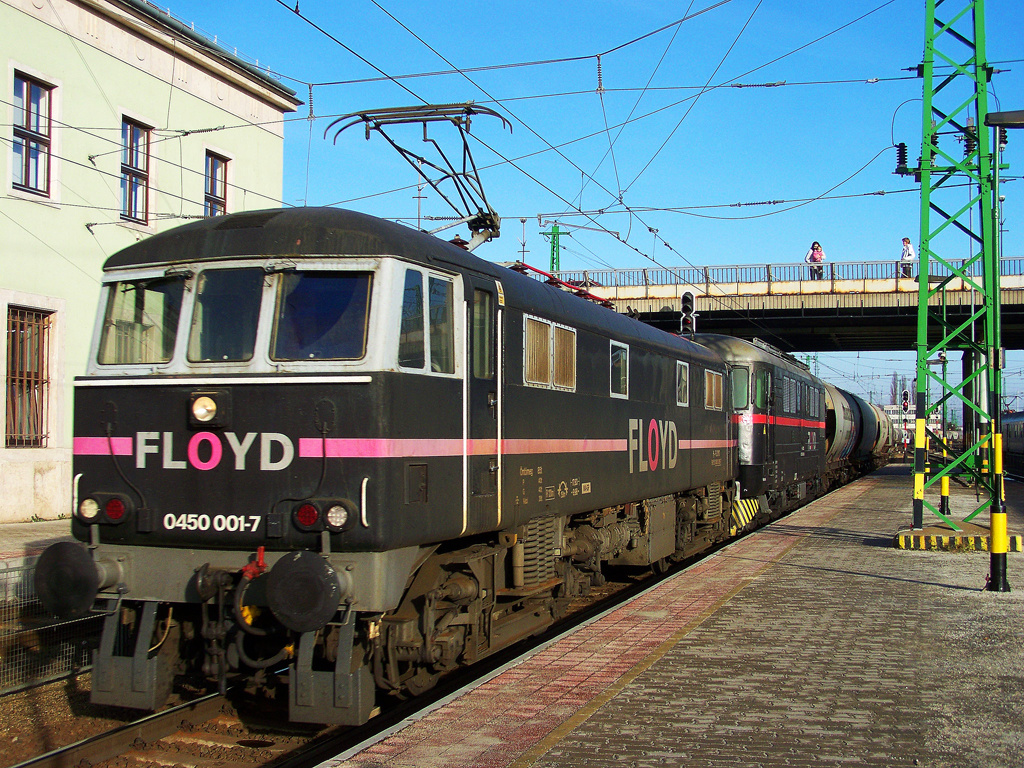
(135, 178)
(563, 386)
(683, 375)
(613, 347)
(551, 332)
(736, 372)
(28, 137)
(215, 201)
(713, 390)
(449, 330)
(33, 382)
(535, 331)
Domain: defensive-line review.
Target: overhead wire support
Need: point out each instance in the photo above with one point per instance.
(472, 206)
(955, 105)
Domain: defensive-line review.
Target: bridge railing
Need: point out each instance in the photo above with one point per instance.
(769, 273)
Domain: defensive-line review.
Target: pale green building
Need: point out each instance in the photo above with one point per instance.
(119, 122)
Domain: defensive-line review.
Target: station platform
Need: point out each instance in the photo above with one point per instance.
(21, 543)
(814, 641)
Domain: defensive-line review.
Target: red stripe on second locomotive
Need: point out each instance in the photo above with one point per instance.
(781, 421)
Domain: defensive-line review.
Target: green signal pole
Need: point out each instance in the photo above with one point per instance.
(955, 146)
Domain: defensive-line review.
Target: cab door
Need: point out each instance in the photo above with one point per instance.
(483, 403)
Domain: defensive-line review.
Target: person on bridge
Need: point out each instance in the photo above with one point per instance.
(815, 256)
(908, 258)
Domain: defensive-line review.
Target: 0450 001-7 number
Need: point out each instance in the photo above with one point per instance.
(230, 523)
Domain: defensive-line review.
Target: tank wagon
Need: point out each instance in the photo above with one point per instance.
(316, 439)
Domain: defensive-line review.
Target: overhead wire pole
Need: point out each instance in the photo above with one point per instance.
(954, 110)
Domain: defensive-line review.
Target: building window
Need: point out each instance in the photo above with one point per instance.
(216, 201)
(28, 379)
(31, 166)
(134, 172)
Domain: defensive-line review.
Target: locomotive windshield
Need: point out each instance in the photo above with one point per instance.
(141, 321)
(321, 315)
(226, 312)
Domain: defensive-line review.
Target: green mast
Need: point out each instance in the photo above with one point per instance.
(553, 234)
(958, 243)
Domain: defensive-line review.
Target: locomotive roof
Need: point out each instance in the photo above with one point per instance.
(297, 233)
(291, 232)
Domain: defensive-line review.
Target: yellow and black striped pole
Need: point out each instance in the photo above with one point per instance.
(920, 460)
(1000, 539)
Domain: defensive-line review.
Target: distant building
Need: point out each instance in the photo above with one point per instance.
(111, 112)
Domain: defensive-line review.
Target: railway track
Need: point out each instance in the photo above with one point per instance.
(235, 732)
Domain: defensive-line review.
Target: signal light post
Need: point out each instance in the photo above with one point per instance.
(687, 318)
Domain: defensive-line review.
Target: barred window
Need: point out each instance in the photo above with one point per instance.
(32, 135)
(28, 378)
(216, 199)
(134, 171)
(537, 352)
(712, 390)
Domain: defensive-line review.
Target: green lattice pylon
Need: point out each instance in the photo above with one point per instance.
(958, 243)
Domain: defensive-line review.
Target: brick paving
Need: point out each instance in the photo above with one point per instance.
(812, 642)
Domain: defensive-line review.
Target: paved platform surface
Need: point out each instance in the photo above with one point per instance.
(813, 642)
(21, 543)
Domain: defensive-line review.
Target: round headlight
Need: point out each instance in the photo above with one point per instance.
(204, 408)
(88, 509)
(337, 516)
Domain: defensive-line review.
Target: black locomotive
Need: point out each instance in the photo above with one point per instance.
(313, 438)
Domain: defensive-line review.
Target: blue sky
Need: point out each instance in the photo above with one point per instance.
(826, 133)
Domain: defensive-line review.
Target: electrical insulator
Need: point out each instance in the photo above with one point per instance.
(970, 143)
(687, 322)
(901, 157)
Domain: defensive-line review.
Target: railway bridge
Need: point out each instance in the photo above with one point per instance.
(854, 306)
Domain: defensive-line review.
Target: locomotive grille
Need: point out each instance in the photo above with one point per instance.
(539, 564)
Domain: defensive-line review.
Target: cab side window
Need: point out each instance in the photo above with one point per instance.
(427, 324)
